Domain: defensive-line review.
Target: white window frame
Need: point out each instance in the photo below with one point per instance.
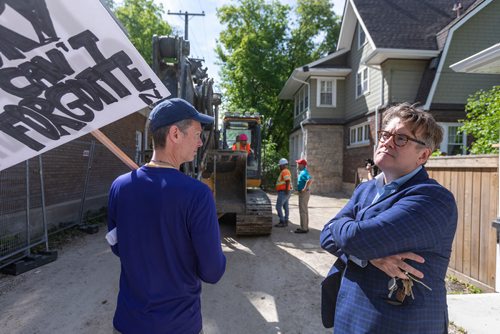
(320, 81)
(364, 73)
(296, 105)
(361, 32)
(359, 135)
(301, 103)
(296, 141)
(445, 143)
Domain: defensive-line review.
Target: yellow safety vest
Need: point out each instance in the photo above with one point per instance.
(284, 176)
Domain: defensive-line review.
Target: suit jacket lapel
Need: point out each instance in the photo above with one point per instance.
(368, 199)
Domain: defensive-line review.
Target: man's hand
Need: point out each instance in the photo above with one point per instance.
(395, 266)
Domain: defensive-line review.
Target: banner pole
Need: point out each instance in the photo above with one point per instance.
(114, 149)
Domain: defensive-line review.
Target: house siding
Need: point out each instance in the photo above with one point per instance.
(478, 33)
(403, 79)
(358, 106)
(328, 112)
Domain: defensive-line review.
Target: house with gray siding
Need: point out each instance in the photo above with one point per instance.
(388, 52)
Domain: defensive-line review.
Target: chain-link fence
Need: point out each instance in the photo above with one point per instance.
(20, 202)
(53, 192)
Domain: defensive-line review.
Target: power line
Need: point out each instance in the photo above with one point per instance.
(186, 20)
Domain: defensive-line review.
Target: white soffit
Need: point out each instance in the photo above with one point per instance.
(486, 61)
(378, 56)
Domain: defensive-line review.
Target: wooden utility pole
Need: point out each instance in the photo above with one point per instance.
(186, 17)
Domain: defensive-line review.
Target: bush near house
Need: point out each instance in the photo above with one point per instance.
(483, 120)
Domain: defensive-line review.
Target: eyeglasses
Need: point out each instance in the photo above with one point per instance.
(399, 139)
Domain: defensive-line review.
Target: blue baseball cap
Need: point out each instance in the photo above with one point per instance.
(174, 110)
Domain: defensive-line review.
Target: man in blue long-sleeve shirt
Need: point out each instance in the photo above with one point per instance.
(165, 230)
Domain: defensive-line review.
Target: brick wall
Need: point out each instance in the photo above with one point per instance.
(325, 158)
(64, 171)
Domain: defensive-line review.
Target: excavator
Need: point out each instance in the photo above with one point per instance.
(233, 176)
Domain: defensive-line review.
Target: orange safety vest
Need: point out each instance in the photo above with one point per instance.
(238, 147)
(285, 175)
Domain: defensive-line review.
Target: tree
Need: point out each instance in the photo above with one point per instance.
(260, 47)
(109, 3)
(253, 56)
(483, 120)
(316, 20)
(142, 19)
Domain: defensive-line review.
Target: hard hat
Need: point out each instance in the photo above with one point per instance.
(282, 162)
(243, 137)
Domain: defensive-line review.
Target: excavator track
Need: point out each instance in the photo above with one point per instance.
(258, 217)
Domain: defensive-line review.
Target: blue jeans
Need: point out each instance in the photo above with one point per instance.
(282, 203)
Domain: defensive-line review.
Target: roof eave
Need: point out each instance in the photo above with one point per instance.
(379, 55)
(486, 61)
(299, 77)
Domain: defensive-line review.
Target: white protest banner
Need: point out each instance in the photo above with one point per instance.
(66, 69)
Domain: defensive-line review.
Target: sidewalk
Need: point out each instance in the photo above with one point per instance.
(476, 313)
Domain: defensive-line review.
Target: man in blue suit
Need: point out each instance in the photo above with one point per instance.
(400, 224)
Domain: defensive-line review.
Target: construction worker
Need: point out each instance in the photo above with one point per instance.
(241, 144)
(284, 188)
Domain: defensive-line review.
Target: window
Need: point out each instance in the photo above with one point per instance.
(361, 36)
(454, 141)
(301, 101)
(296, 105)
(296, 146)
(359, 134)
(326, 93)
(362, 82)
(366, 133)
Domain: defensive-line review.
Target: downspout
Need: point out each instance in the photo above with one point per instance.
(303, 154)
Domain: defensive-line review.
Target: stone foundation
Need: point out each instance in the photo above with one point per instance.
(324, 152)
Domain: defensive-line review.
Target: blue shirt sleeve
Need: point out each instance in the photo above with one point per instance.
(205, 234)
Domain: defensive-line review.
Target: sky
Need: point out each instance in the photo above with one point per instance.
(204, 30)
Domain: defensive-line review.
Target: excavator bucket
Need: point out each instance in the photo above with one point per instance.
(228, 172)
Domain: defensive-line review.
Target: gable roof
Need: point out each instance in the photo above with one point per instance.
(407, 24)
(399, 24)
(450, 30)
(320, 67)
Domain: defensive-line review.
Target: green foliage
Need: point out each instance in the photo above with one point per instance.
(483, 120)
(316, 20)
(109, 3)
(142, 19)
(467, 287)
(270, 168)
(258, 50)
(437, 153)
